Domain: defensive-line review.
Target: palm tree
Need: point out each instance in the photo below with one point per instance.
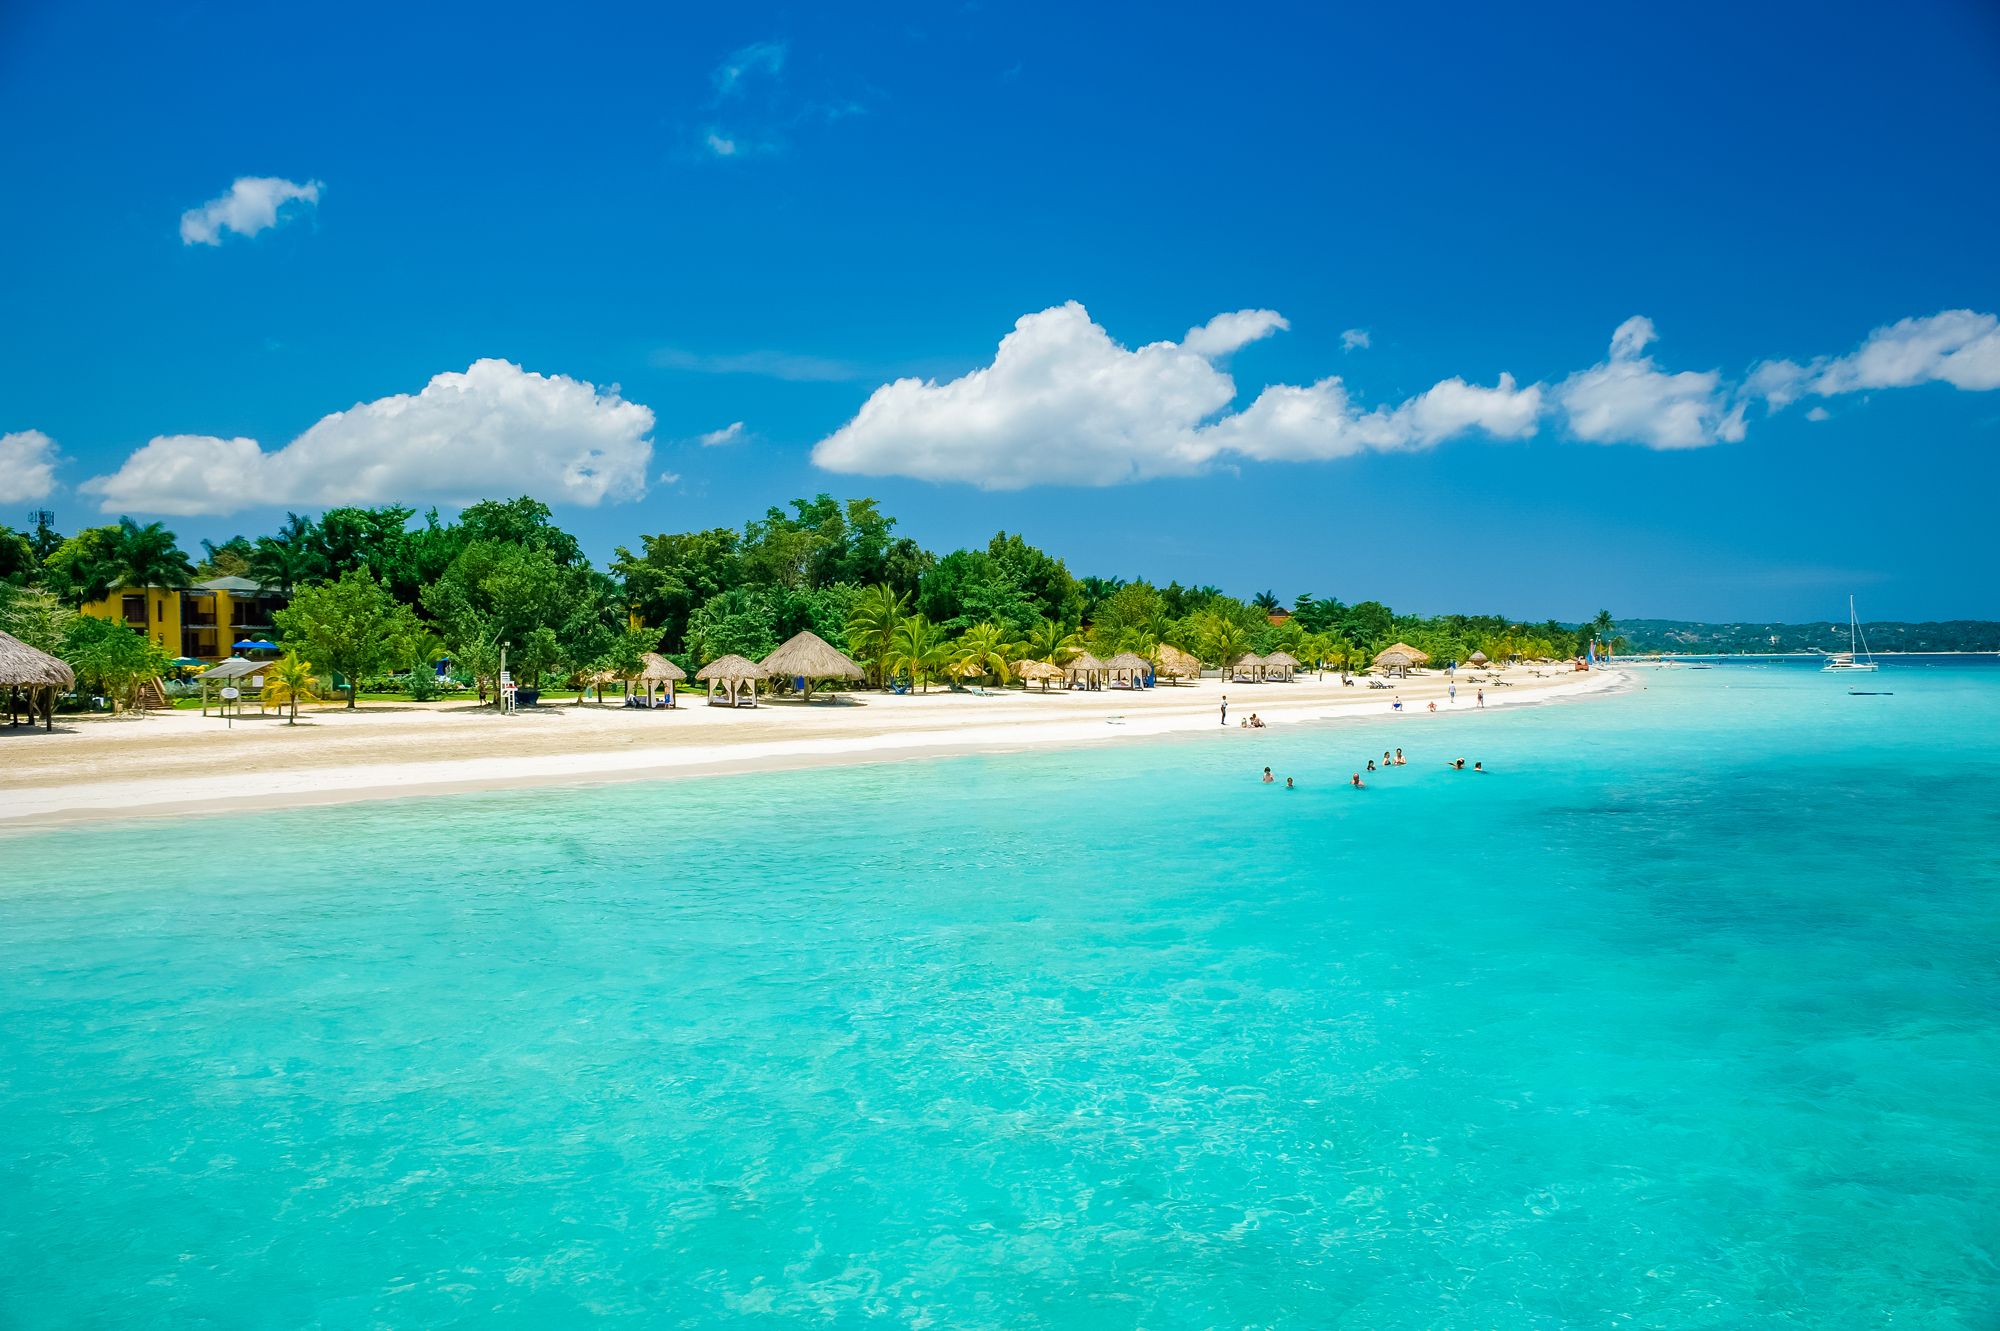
(1603, 626)
(981, 650)
(871, 626)
(1052, 641)
(148, 556)
(288, 680)
(281, 564)
(1266, 601)
(918, 649)
(1224, 640)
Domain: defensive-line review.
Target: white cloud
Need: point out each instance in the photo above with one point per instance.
(27, 466)
(1355, 339)
(251, 205)
(1063, 404)
(1956, 347)
(1630, 400)
(493, 428)
(670, 478)
(1819, 414)
(1230, 332)
(721, 145)
(732, 433)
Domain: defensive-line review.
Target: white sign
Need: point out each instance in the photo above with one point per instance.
(506, 678)
(231, 694)
(256, 681)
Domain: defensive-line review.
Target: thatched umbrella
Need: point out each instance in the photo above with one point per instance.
(1086, 665)
(809, 657)
(1248, 666)
(1175, 663)
(658, 670)
(1477, 658)
(35, 678)
(732, 672)
(1283, 662)
(1416, 657)
(1042, 670)
(1130, 664)
(1394, 659)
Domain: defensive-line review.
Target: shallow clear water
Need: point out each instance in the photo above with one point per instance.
(1682, 1017)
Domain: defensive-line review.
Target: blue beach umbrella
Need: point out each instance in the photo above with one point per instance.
(252, 645)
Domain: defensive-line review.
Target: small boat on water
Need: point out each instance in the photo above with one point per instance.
(1857, 656)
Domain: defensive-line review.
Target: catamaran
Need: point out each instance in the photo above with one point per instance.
(1857, 656)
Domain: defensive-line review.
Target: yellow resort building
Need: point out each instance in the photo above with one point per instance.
(200, 622)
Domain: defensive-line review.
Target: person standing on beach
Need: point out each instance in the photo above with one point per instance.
(1225, 709)
(1482, 697)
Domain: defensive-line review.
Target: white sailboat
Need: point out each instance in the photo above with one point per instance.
(1857, 656)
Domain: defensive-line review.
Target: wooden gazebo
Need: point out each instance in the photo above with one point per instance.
(1171, 663)
(1131, 665)
(1280, 665)
(1086, 667)
(33, 680)
(809, 658)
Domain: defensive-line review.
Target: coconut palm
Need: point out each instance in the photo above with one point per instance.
(1223, 639)
(148, 556)
(871, 626)
(1266, 601)
(981, 650)
(290, 680)
(1603, 627)
(1050, 640)
(281, 564)
(918, 649)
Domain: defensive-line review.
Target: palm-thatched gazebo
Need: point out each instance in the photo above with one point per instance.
(1398, 659)
(1248, 667)
(1280, 665)
(1174, 664)
(1478, 658)
(1131, 665)
(1042, 670)
(33, 680)
(807, 657)
(738, 675)
(1088, 668)
(657, 671)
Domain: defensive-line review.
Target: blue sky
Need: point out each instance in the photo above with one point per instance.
(767, 215)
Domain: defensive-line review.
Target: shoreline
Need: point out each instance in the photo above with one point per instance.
(118, 780)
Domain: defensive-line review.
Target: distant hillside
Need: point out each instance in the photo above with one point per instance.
(1679, 635)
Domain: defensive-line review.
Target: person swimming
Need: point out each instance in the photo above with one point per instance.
(1371, 764)
(1479, 767)
(1458, 766)
(1400, 761)
(1289, 785)
(1355, 781)
(1268, 778)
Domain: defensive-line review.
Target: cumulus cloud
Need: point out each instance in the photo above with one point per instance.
(463, 435)
(1629, 400)
(27, 466)
(251, 205)
(732, 433)
(1064, 404)
(1355, 339)
(1819, 414)
(1956, 347)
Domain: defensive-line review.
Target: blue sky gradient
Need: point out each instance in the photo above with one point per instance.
(766, 214)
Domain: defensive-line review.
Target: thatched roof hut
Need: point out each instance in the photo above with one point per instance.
(809, 657)
(1393, 659)
(1087, 667)
(659, 670)
(1415, 657)
(1477, 658)
(32, 677)
(1280, 664)
(1130, 664)
(1042, 670)
(1247, 666)
(1173, 663)
(736, 674)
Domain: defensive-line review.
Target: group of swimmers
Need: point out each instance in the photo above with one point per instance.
(1389, 759)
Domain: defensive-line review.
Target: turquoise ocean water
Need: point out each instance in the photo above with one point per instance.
(1685, 1016)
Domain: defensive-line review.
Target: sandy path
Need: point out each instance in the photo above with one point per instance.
(100, 767)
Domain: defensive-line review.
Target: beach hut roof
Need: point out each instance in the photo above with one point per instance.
(1129, 661)
(811, 656)
(730, 667)
(1036, 670)
(659, 670)
(1084, 662)
(1477, 658)
(23, 666)
(1174, 661)
(1394, 657)
(1249, 659)
(1282, 659)
(1410, 654)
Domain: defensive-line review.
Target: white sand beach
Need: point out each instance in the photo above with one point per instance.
(96, 768)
